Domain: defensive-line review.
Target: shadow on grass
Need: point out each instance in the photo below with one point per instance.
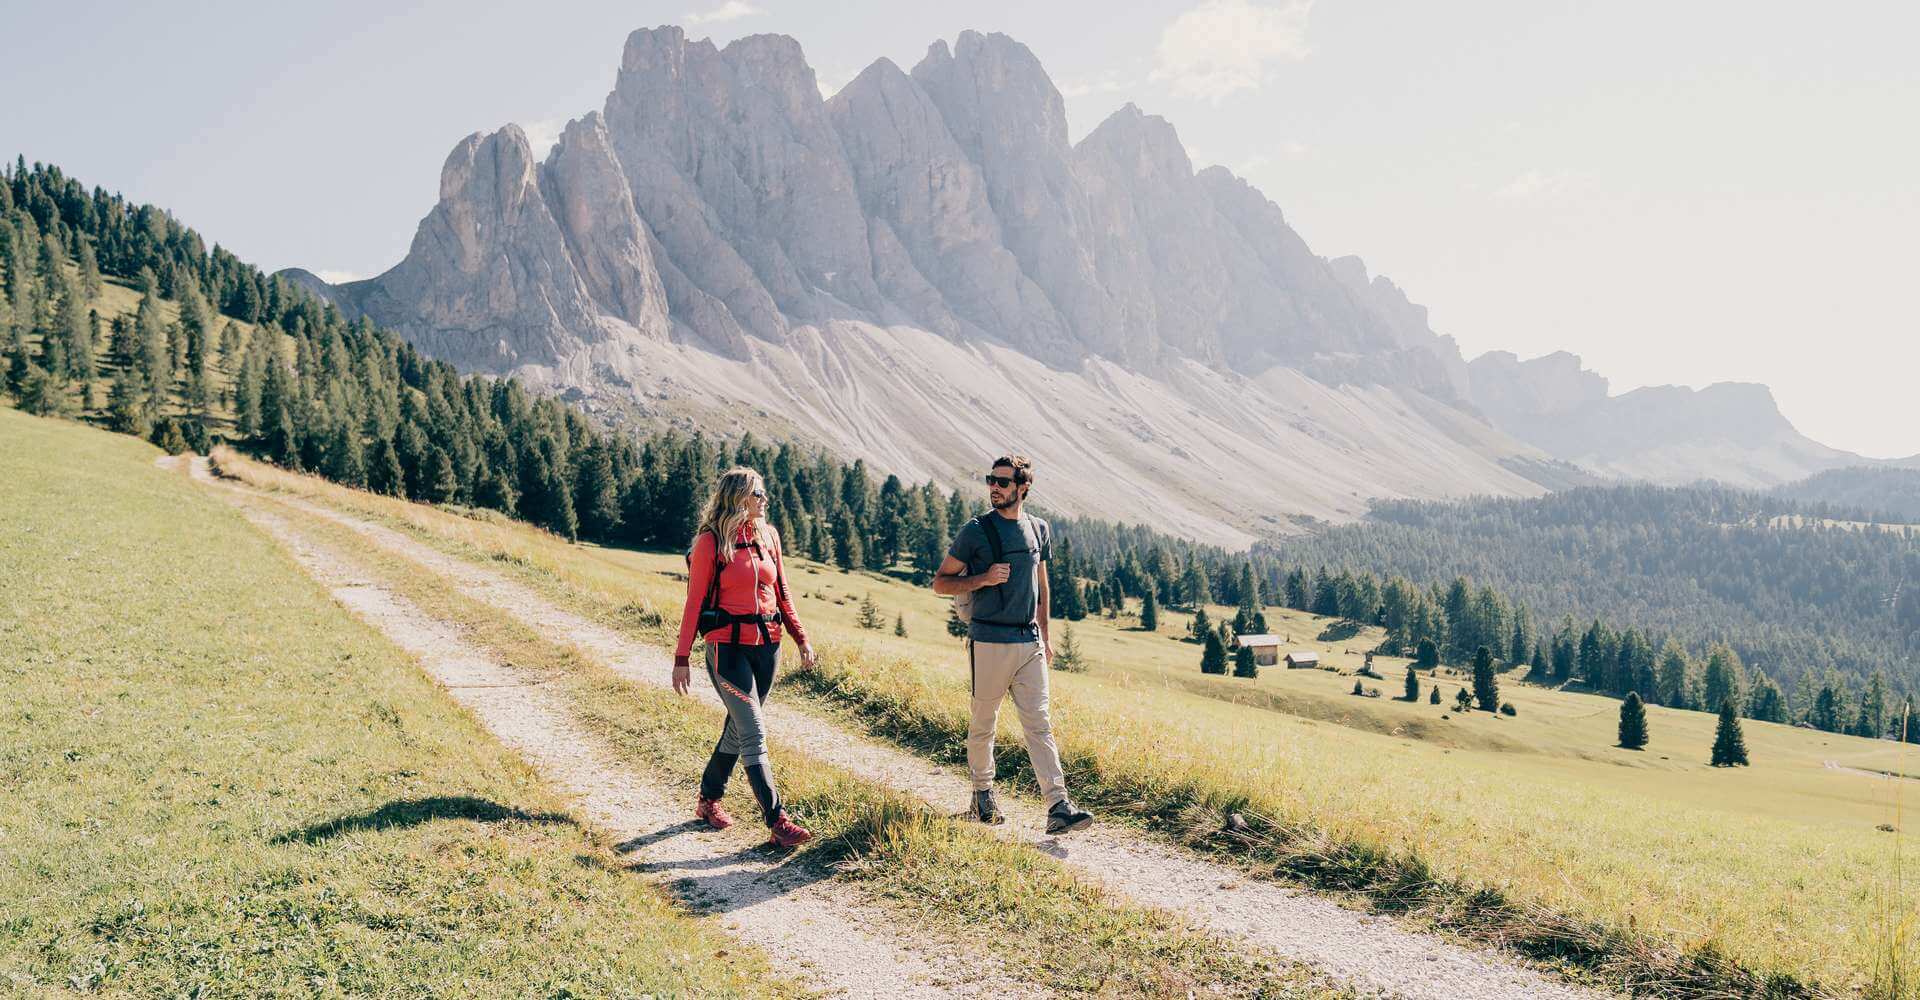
(415, 812)
(1339, 631)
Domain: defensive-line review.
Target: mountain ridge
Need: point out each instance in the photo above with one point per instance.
(721, 246)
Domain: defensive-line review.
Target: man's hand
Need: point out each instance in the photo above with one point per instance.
(995, 575)
(1047, 644)
(682, 675)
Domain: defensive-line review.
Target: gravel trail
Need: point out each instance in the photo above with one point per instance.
(1368, 952)
(817, 933)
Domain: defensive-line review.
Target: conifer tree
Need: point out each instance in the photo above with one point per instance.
(1433, 696)
(1413, 685)
(1150, 612)
(1725, 679)
(900, 625)
(19, 363)
(869, 616)
(1729, 745)
(1486, 689)
(1069, 657)
(90, 285)
(955, 627)
(598, 498)
(1633, 722)
(1213, 658)
(127, 404)
(1427, 655)
(1244, 664)
(442, 482)
(384, 474)
(1671, 677)
(848, 549)
(1200, 625)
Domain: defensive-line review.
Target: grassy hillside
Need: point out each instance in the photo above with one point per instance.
(1784, 866)
(213, 782)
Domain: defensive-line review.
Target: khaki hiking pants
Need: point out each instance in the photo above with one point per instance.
(1019, 667)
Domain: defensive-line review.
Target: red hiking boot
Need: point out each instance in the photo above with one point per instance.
(787, 833)
(713, 813)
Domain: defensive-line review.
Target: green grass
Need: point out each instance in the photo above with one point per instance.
(1534, 830)
(214, 782)
(947, 880)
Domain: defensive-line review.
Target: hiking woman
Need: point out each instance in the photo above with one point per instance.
(737, 599)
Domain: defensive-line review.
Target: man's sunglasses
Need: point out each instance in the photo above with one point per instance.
(1001, 481)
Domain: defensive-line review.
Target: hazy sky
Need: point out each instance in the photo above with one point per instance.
(1678, 192)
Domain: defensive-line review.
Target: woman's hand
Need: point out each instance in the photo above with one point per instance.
(682, 675)
(807, 658)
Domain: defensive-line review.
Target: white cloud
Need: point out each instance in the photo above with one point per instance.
(542, 134)
(1535, 186)
(732, 10)
(1106, 83)
(337, 277)
(1223, 46)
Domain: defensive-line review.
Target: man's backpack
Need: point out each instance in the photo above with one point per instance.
(963, 601)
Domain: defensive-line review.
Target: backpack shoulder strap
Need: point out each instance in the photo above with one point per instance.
(993, 535)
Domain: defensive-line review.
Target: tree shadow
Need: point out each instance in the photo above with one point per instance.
(415, 812)
(1343, 629)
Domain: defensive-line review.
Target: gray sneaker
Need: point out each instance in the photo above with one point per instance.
(1065, 817)
(986, 810)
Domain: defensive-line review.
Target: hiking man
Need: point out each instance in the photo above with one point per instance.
(997, 571)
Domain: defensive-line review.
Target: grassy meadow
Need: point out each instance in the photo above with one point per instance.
(1659, 867)
(950, 880)
(214, 782)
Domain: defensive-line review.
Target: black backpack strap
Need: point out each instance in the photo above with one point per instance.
(999, 556)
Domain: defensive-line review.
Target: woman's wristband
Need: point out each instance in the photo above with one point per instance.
(681, 663)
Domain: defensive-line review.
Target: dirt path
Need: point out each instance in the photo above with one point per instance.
(1356, 948)
(817, 933)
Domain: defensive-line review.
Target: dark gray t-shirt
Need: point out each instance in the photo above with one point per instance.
(1024, 544)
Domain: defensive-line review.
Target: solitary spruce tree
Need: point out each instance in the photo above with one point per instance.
(1427, 655)
(1413, 685)
(900, 625)
(1213, 660)
(1729, 746)
(1243, 663)
(1433, 695)
(1633, 722)
(1150, 614)
(869, 616)
(1486, 690)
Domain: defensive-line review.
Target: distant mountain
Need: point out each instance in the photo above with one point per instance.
(1731, 432)
(924, 272)
(1889, 494)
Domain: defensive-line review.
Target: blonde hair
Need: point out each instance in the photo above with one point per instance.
(726, 508)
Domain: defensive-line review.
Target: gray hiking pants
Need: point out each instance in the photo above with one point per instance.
(1019, 668)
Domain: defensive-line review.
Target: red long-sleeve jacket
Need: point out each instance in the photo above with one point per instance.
(750, 583)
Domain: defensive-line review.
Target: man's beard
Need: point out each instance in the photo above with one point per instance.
(1003, 504)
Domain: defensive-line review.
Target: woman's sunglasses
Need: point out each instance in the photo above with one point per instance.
(757, 493)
